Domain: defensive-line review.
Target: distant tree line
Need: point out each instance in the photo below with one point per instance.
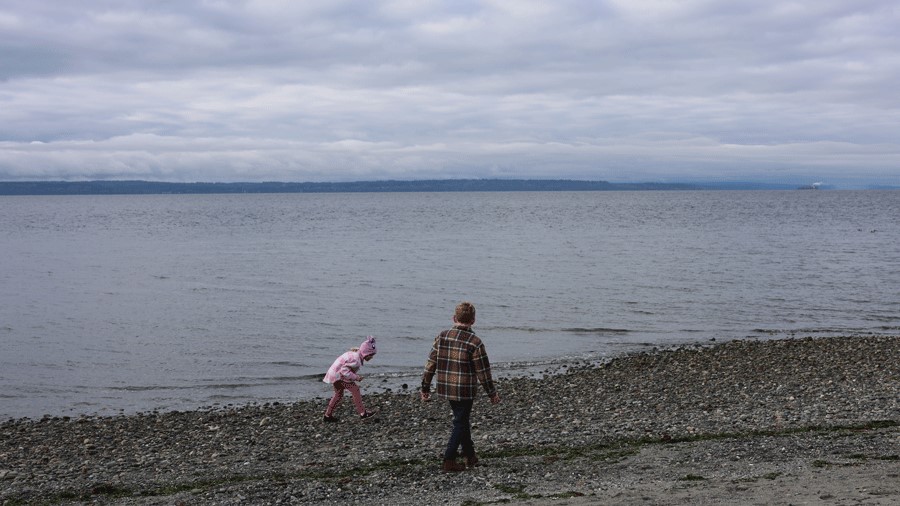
(436, 185)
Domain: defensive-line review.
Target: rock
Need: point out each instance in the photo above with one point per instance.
(265, 454)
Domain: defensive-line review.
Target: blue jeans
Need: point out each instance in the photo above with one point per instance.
(462, 430)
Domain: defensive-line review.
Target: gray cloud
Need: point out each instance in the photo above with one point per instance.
(309, 91)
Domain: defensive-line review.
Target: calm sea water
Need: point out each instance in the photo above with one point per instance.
(113, 304)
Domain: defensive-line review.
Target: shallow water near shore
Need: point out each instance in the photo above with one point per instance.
(115, 304)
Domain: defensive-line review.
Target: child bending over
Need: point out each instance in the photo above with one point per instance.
(343, 376)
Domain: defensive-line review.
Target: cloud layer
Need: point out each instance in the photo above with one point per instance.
(621, 90)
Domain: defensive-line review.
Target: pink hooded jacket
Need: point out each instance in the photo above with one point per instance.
(345, 367)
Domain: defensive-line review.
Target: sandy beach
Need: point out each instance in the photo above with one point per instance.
(798, 421)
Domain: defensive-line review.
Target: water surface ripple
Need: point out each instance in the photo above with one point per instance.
(116, 304)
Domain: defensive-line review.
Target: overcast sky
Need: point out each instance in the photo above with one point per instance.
(309, 90)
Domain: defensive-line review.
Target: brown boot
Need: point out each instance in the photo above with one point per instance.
(471, 460)
(452, 466)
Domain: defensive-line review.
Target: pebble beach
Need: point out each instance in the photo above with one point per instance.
(795, 421)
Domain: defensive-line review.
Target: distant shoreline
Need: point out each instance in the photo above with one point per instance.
(435, 185)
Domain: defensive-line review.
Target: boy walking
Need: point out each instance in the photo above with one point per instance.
(460, 361)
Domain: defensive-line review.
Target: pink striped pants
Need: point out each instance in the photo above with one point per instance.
(339, 387)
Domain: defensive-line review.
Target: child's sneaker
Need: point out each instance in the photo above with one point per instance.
(367, 414)
(331, 419)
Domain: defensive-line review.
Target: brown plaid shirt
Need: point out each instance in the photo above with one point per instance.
(461, 363)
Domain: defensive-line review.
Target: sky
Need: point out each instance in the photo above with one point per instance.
(328, 90)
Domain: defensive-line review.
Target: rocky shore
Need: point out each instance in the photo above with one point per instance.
(798, 421)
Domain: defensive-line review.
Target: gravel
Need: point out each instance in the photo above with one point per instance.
(726, 422)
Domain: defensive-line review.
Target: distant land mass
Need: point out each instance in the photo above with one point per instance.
(434, 185)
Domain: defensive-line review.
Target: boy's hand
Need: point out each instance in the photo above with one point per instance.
(495, 399)
(426, 396)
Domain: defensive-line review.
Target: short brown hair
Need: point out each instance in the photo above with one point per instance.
(465, 313)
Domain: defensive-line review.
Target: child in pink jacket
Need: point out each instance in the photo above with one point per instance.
(343, 376)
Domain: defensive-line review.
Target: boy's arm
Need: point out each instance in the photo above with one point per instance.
(483, 372)
(430, 368)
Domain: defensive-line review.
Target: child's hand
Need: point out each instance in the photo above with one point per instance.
(426, 396)
(359, 378)
(495, 399)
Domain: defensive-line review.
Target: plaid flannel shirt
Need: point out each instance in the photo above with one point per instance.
(460, 361)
